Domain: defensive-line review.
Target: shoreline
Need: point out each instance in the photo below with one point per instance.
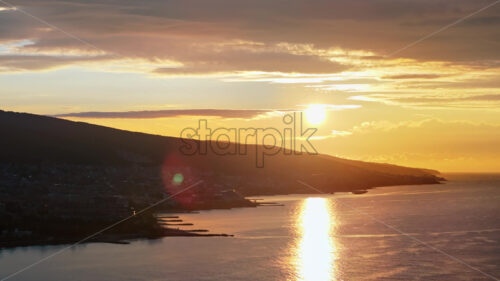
(163, 222)
(162, 228)
(123, 239)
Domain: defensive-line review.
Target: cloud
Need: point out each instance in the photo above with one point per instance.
(449, 86)
(331, 107)
(224, 113)
(232, 61)
(7, 9)
(238, 35)
(341, 133)
(413, 76)
(449, 100)
(15, 63)
(484, 98)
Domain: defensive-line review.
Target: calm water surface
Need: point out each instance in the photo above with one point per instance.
(312, 237)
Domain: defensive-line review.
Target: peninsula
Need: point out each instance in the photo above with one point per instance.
(62, 180)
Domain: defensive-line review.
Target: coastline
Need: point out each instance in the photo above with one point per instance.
(164, 221)
(109, 238)
(156, 229)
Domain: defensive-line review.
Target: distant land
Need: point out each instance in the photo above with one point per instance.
(60, 179)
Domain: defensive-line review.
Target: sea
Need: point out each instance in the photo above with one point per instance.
(449, 231)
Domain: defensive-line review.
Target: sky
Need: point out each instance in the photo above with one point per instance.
(409, 82)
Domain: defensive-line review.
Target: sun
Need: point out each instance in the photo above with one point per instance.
(315, 114)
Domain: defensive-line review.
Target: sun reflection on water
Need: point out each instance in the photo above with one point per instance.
(315, 253)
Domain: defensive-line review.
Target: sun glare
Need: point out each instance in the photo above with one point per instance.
(315, 114)
(315, 252)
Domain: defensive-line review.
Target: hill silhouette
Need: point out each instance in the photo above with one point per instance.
(29, 139)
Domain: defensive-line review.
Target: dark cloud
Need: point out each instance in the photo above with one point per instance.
(197, 33)
(413, 76)
(224, 113)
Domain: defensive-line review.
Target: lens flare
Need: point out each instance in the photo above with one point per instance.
(177, 179)
(176, 174)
